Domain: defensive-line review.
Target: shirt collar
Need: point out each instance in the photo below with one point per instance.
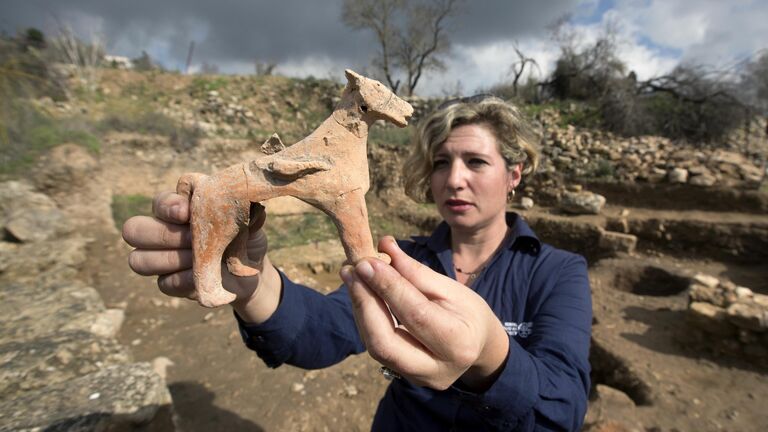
(522, 237)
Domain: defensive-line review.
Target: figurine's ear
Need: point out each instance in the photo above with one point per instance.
(353, 78)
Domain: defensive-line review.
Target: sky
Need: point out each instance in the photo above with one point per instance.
(306, 37)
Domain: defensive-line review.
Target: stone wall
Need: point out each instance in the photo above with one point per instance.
(61, 367)
(732, 320)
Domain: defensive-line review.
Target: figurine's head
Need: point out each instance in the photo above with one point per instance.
(376, 101)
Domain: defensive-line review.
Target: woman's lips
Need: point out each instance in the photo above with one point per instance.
(458, 205)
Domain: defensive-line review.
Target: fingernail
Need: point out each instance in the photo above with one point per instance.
(364, 269)
(174, 211)
(346, 275)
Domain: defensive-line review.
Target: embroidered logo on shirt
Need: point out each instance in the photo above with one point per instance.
(523, 329)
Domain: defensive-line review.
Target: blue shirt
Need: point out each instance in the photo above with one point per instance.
(540, 294)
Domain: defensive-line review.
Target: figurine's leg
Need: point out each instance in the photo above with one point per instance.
(236, 254)
(214, 225)
(350, 215)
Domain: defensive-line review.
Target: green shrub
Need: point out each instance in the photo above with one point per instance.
(127, 206)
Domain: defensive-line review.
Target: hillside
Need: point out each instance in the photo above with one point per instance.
(676, 253)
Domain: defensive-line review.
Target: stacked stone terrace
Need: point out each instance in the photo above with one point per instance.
(732, 319)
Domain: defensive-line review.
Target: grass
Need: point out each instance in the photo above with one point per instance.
(296, 230)
(130, 116)
(26, 133)
(400, 137)
(127, 206)
(200, 86)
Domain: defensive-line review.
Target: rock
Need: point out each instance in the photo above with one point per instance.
(64, 168)
(706, 294)
(37, 363)
(526, 203)
(119, 397)
(706, 280)
(710, 318)
(743, 293)
(748, 316)
(29, 216)
(108, 323)
(702, 180)
(44, 263)
(69, 306)
(582, 202)
(611, 410)
(616, 242)
(678, 175)
(160, 365)
(761, 300)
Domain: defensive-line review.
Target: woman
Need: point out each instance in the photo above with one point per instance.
(492, 326)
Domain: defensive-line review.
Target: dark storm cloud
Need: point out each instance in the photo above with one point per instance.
(243, 30)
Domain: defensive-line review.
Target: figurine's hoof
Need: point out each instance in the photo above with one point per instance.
(238, 269)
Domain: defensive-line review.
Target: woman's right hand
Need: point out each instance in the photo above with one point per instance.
(164, 249)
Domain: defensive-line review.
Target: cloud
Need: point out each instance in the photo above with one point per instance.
(307, 37)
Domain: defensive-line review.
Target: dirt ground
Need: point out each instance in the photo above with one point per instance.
(641, 342)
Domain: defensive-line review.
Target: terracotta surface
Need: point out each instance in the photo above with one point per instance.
(328, 169)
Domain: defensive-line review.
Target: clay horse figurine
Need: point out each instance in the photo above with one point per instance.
(328, 169)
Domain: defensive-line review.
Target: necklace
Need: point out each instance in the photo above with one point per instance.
(471, 275)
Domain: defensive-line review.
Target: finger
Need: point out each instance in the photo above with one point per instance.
(171, 207)
(424, 278)
(425, 319)
(258, 216)
(179, 284)
(144, 232)
(159, 262)
(390, 346)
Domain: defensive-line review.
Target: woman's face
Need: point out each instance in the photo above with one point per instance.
(470, 180)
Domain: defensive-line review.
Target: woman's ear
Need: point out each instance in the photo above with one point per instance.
(515, 176)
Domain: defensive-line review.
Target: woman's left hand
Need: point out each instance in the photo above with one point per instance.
(446, 332)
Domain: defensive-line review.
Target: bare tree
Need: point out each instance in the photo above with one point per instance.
(584, 71)
(85, 58)
(412, 35)
(518, 67)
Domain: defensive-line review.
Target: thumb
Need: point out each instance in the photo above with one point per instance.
(426, 280)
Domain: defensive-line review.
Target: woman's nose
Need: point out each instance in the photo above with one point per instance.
(457, 176)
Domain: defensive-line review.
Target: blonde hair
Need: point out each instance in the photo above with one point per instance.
(513, 134)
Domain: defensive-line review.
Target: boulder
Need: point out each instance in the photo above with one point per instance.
(748, 316)
(52, 359)
(616, 242)
(526, 203)
(64, 168)
(583, 202)
(119, 397)
(29, 216)
(678, 175)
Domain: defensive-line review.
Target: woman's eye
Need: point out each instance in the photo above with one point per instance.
(477, 162)
(439, 164)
